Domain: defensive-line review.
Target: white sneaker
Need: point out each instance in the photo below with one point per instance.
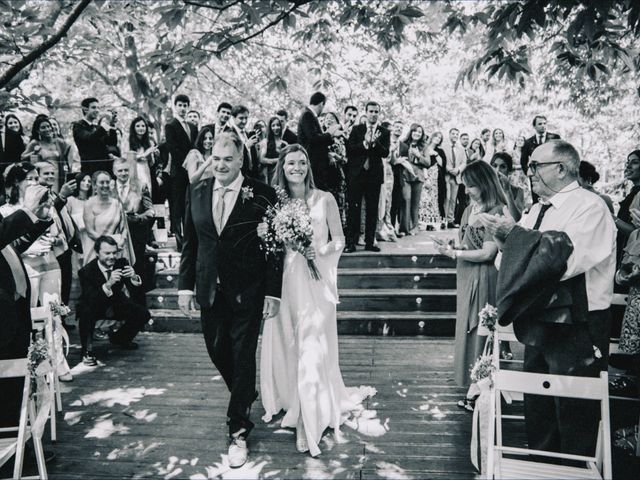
(238, 452)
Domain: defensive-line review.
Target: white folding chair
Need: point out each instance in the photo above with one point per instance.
(42, 322)
(598, 466)
(14, 445)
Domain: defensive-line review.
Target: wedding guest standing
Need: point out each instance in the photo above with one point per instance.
(146, 153)
(198, 161)
(238, 122)
(518, 176)
(456, 160)
(395, 146)
(578, 239)
(103, 215)
(413, 180)
(75, 206)
(269, 149)
(286, 134)
(44, 146)
(315, 141)
(14, 124)
(180, 136)
(95, 136)
(588, 176)
(336, 177)
(476, 272)
(439, 158)
(503, 164)
(623, 219)
(541, 136)
(350, 117)
(11, 148)
(368, 144)
(476, 150)
(193, 117)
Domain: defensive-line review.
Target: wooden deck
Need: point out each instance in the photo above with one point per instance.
(159, 412)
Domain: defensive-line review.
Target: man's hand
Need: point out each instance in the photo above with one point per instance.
(252, 140)
(128, 272)
(67, 189)
(116, 276)
(186, 303)
(499, 227)
(36, 200)
(271, 308)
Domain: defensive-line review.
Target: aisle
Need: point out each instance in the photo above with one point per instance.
(159, 412)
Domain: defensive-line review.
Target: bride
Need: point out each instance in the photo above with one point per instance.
(299, 370)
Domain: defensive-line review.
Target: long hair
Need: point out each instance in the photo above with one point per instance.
(136, 142)
(200, 138)
(409, 138)
(272, 150)
(280, 180)
(493, 137)
(482, 151)
(481, 175)
(13, 176)
(14, 116)
(79, 177)
(35, 129)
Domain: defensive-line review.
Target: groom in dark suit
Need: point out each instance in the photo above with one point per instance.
(368, 144)
(236, 285)
(180, 137)
(531, 143)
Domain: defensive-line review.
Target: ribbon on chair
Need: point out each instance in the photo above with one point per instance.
(481, 415)
(44, 398)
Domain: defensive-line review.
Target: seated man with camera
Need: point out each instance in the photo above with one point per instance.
(106, 284)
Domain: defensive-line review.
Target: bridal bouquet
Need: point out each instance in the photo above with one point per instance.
(289, 225)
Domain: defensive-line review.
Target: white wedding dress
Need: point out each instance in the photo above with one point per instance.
(299, 367)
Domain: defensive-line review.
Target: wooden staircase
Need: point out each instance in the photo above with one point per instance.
(407, 289)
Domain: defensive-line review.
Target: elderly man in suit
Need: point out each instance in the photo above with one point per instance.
(17, 232)
(236, 286)
(570, 335)
(315, 141)
(180, 136)
(368, 144)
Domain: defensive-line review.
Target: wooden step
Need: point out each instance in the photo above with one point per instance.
(373, 300)
(349, 323)
(349, 278)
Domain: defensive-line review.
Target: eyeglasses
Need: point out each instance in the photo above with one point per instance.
(533, 166)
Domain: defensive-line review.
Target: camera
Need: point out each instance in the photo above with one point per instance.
(120, 263)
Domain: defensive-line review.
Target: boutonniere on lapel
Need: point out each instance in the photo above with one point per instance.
(247, 193)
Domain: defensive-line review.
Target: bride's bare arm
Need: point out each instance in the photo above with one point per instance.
(335, 228)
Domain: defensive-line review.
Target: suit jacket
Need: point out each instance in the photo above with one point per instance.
(460, 161)
(530, 144)
(233, 255)
(289, 136)
(317, 144)
(529, 291)
(179, 144)
(138, 203)
(92, 295)
(94, 143)
(358, 154)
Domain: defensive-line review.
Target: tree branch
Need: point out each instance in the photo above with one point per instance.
(213, 7)
(108, 81)
(297, 4)
(37, 52)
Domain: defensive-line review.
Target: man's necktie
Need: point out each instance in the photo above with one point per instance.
(539, 139)
(19, 278)
(369, 138)
(543, 209)
(218, 213)
(453, 155)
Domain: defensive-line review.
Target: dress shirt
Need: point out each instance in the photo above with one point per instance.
(229, 199)
(585, 218)
(123, 191)
(541, 138)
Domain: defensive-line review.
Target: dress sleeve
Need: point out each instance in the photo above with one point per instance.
(335, 227)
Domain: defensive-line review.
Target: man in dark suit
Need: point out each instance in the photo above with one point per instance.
(11, 148)
(102, 282)
(287, 134)
(96, 142)
(17, 232)
(315, 142)
(541, 136)
(368, 144)
(350, 118)
(180, 137)
(236, 286)
(238, 123)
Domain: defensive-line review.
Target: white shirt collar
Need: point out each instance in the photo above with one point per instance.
(559, 198)
(102, 268)
(234, 186)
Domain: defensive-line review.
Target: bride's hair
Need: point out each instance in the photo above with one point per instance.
(280, 180)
